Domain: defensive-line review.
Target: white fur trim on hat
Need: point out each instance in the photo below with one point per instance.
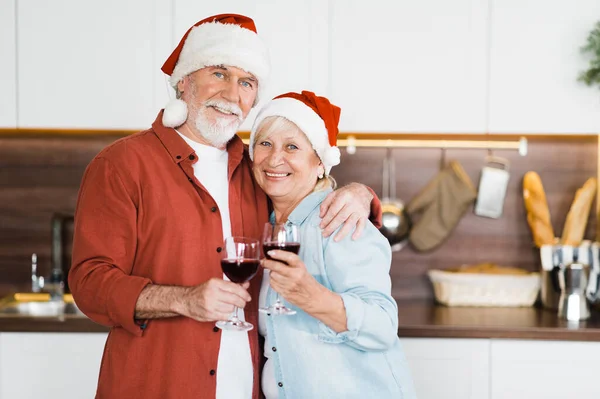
(307, 120)
(215, 43)
(175, 113)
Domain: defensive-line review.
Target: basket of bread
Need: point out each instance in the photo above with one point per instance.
(485, 284)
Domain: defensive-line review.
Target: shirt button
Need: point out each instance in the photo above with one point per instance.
(213, 209)
(178, 157)
(192, 157)
(216, 329)
(219, 249)
(280, 384)
(212, 372)
(274, 349)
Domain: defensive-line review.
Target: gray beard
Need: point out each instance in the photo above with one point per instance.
(217, 134)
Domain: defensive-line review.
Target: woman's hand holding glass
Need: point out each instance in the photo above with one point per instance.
(289, 277)
(284, 237)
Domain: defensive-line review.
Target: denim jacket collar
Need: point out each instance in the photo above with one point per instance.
(306, 206)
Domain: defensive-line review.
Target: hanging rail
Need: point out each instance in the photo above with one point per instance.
(351, 143)
(348, 140)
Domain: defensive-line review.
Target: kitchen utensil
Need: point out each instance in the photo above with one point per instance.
(555, 258)
(396, 223)
(552, 261)
(593, 289)
(492, 187)
(573, 280)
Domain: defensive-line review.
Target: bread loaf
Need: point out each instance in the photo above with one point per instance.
(490, 268)
(577, 217)
(538, 214)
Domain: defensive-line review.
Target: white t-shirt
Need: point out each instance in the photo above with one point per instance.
(234, 368)
(268, 382)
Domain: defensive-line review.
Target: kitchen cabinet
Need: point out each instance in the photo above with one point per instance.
(453, 368)
(296, 34)
(534, 63)
(544, 369)
(50, 365)
(449, 368)
(8, 87)
(90, 65)
(406, 66)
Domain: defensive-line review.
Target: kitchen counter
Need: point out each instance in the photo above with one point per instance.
(417, 319)
(49, 324)
(424, 320)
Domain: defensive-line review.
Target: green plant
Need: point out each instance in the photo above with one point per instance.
(592, 75)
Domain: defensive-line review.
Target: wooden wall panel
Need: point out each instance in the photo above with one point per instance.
(40, 176)
(563, 165)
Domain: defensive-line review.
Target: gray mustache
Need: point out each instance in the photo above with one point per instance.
(233, 108)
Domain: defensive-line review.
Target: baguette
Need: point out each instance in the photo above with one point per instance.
(577, 217)
(538, 214)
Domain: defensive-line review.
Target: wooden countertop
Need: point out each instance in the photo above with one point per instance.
(417, 319)
(423, 319)
(49, 324)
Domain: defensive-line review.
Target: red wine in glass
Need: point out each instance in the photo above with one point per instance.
(283, 237)
(284, 246)
(239, 270)
(239, 262)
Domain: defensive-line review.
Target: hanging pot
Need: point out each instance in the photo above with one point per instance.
(396, 223)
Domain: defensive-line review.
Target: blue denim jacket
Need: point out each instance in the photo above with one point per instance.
(309, 359)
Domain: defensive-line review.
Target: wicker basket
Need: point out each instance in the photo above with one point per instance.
(471, 289)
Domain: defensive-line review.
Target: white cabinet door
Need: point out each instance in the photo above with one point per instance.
(449, 368)
(8, 77)
(88, 64)
(296, 34)
(409, 66)
(50, 365)
(544, 369)
(535, 60)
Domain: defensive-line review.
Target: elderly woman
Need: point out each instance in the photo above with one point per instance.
(342, 342)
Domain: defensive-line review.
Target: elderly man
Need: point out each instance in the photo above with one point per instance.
(152, 213)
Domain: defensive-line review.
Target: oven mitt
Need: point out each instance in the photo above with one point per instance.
(440, 204)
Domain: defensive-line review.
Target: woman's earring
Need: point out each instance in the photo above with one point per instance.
(320, 175)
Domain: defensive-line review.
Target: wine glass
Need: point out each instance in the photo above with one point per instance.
(283, 237)
(240, 260)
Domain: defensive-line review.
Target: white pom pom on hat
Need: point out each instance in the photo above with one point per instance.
(175, 114)
(315, 116)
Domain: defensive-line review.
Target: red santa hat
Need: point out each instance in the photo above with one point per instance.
(315, 116)
(225, 39)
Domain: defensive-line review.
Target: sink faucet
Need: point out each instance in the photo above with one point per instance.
(56, 283)
(37, 282)
(54, 286)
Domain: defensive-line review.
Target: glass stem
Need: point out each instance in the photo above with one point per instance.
(235, 314)
(277, 299)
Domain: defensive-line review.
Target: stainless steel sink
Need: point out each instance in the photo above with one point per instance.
(38, 305)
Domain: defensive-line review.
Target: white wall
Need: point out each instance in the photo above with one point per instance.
(535, 60)
(456, 66)
(8, 77)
